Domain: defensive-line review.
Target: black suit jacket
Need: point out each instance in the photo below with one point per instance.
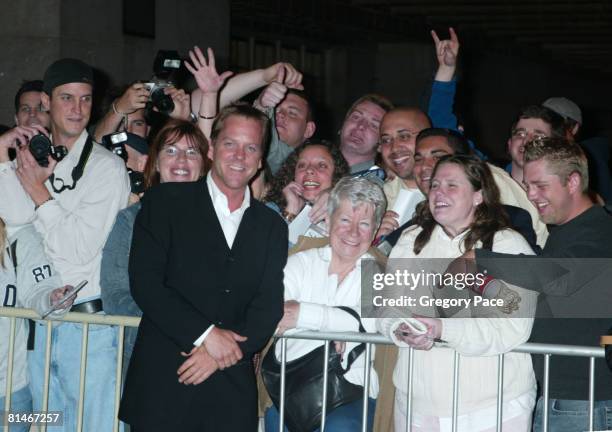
(184, 277)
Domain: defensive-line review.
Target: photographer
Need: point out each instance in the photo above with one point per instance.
(72, 204)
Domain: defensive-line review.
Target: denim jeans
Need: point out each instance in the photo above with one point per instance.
(98, 414)
(346, 418)
(21, 402)
(573, 415)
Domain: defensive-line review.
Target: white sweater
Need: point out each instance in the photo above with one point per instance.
(308, 282)
(478, 340)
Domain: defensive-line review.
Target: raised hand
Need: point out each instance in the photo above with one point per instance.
(135, 97)
(274, 93)
(32, 176)
(390, 223)
(182, 103)
(205, 72)
(293, 194)
(19, 136)
(447, 52)
(292, 77)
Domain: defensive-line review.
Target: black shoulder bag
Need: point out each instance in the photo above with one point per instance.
(304, 383)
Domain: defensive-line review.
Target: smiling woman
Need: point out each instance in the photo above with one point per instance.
(318, 282)
(463, 212)
(312, 168)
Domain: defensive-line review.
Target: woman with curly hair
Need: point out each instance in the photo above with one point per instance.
(312, 168)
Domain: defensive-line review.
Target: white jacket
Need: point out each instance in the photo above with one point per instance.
(478, 340)
(308, 282)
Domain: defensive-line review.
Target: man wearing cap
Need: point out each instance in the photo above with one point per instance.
(72, 204)
(596, 148)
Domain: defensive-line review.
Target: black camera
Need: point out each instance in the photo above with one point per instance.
(116, 143)
(165, 70)
(41, 148)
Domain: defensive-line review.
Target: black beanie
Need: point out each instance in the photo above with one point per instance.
(65, 71)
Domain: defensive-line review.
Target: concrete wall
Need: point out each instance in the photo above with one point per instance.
(35, 33)
(491, 88)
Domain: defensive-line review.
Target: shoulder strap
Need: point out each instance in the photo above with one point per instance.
(359, 349)
(77, 171)
(13, 253)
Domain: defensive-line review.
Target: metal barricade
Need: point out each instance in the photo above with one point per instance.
(86, 319)
(369, 339)
(528, 348)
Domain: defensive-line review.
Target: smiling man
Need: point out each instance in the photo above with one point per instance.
(572, 280)
(72, 204)
(206, 268)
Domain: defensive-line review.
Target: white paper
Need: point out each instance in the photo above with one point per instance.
(300, 224)
(405, 204)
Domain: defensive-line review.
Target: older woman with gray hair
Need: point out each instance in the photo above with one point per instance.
(319, 281)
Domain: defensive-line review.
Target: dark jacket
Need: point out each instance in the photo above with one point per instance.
(184, 277)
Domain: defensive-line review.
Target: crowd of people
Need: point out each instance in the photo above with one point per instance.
(226, 223)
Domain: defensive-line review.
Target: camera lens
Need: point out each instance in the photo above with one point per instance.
(162, 101)
(40, 147)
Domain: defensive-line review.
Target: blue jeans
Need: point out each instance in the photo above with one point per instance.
(21, 402)
(573, 415)
(99, 407)
(346, 418)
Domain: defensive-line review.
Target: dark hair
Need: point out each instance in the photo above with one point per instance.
(309, 105)
(454, 139)
(286, 173)
(27, 86)
(170, 133)
(489, 216)
(242, 109)
(556, 122)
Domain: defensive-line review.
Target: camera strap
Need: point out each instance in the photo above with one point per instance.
(77, 171)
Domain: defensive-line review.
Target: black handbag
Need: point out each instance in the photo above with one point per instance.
(304, 383)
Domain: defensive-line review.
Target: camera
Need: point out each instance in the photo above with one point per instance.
(41, 148)
(157, 97)
(165, 70)
(116, 143)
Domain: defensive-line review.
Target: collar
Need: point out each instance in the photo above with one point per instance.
(440, 233)
(72, 158)
(220, 200)
(325, 254)
(362, 166)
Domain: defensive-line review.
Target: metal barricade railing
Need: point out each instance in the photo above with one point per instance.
(528, 348)
(86, 319)
(369, 339)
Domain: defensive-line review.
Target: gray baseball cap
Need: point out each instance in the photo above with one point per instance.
(564, 107)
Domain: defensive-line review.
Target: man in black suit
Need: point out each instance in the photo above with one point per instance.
(206, 268)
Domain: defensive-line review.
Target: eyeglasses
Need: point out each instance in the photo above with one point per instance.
(522, 134)
(172, 151)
